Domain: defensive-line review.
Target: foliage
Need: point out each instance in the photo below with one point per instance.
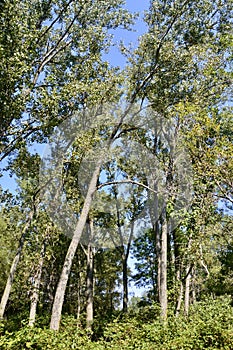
(209, 326)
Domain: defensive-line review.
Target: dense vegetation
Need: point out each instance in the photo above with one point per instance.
(139, 165)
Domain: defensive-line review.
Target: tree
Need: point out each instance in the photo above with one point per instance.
(183, 60)
(50, 52)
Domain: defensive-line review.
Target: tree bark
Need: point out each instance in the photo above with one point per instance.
(60, 292)
(187, 290)
(79, 296)
(90, 281)
(14, 265)
(180, 295)
(36, 289)
(158, 258)
(125, 281)
(163, 276)
(90, 284)
(187, 283)
(193, 286)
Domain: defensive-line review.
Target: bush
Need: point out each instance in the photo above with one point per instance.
(209, 326)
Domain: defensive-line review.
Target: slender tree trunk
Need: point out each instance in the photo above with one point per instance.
(187, 283)
(193, 286)
(125, 282)
(181, 292)
(90, 284)
(79, 304)
(13, 268)
(36, 289)
(79, 296)
(163, 276)
(60, 292)
(187, 290)
(158, 258)
(155, 218)
(125, 270)
(157, 238)
(90, 280)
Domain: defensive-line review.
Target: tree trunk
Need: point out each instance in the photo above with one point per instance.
(79, 297)
(180, 295)
(79, 305)
(125, 282)
(187, 283)
(187, 290)
(158, 258)
(193, 286)
(13, 268)
(36, 289)
(90, 284)
(90, 281)
(163, 276)
(60, 292)
(125, 270)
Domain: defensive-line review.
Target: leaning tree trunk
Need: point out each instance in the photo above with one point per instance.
(60, 292)
(14, 265)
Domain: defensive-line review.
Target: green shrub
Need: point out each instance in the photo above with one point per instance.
(209, 326)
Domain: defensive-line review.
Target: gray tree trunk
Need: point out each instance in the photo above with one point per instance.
(90, 285)
(181, 292)
(36, 288)
(187, 283)
(163, 276)
(61, 288)
(158, 258)
(187, 290)
(193, 286)
(90, 281)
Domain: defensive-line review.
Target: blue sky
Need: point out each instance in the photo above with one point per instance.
(129, 37)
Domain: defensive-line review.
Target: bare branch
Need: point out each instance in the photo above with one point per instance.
(126, 181)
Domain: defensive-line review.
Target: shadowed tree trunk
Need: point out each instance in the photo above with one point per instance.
(125, 282)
